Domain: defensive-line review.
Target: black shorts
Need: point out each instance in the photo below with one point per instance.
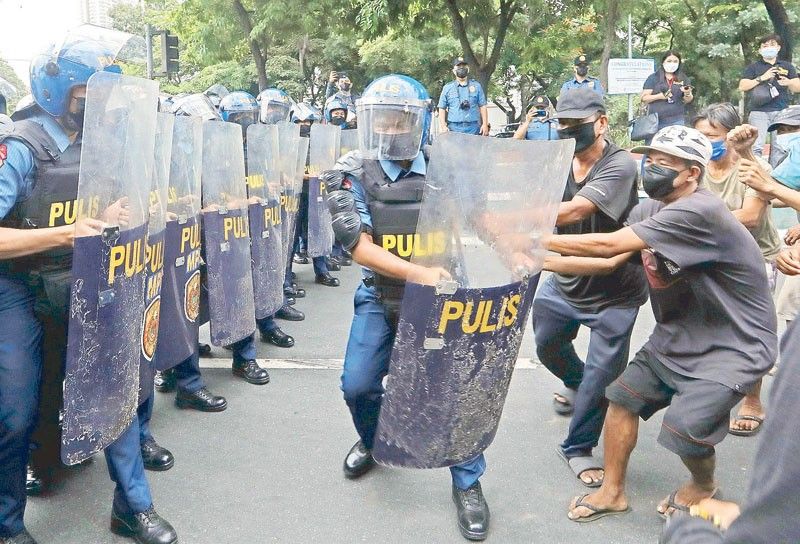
(697, 417)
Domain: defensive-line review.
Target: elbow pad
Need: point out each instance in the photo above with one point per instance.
(347, 228)
(333, 179)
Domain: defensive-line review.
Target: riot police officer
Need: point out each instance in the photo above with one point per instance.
(241, 108)
(396, 115)
(306, 115)
(40, 170)
(336, 113)
(462, 105)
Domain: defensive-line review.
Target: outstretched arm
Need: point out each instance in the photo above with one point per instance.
(605, 245)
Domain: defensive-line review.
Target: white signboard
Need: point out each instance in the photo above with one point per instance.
(626, 76)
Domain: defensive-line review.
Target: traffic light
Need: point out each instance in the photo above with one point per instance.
(169, 53)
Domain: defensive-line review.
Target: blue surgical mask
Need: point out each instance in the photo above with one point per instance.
(769, 52)
(788, 171)
(718, 150)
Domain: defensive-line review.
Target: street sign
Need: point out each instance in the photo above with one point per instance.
(627, 76)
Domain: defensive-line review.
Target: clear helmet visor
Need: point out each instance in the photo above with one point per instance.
(197, 105)
(86, 41)
(273, 112)
(390, 131)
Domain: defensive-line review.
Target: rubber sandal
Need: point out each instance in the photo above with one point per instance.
(564, 408)
(579, 465)
(597, 513)
(746, 432)
(681, 507)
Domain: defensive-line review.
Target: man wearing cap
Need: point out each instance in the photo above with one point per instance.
(600, 191)
(539, 123)
(339, 89)
(582, 78)
(715, 333)
(462, 105)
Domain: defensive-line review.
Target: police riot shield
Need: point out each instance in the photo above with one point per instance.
(226, 234)
(154, 252)
(486, 209)
(289, 142)
(348, 141)
(293, 192)
(180, 289)
(266, 241)
(101, 381)
(323, 151)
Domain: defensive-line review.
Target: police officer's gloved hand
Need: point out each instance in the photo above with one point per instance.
(332, 179)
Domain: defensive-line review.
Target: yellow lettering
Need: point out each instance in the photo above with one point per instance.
(56, 210)
(466, 326)
(452, 311)
(389, 242)
(116, 259)
(227, 226)
(487, 312)
(512, 307)
(405, 245)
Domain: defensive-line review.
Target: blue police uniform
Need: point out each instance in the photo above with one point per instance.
(463, 120)
(542, 130)
(369, 347)
(123, 457)
(590, 82)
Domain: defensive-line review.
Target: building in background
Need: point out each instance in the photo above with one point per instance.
(96, 11)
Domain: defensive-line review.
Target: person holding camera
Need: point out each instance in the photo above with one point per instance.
(339, 89)
(668, 91)
(538, 123)
(768, 82)
(462, 105)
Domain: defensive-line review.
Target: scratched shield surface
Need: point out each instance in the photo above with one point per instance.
(154, 252)
(266, 240)
(181, 286)
(101, 380)
(348, 141)
(487, 208)
(289, 161)
(322, 155)
(226, 234)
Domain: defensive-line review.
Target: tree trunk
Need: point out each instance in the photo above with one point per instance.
(780, 22)
(258, 55)
(609, 37)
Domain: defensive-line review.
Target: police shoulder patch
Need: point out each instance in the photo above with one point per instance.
(3, 154)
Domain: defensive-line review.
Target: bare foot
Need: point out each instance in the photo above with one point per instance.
(750, 407)
(688, 495)
(594, 476)
(601, 500)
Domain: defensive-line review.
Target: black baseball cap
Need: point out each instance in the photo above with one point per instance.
(459, 60)
(789, 117)
(581, 59)
(579, 103)
(541, 101)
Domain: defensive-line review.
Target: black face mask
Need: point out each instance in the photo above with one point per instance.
(462, 72)
(584, 135)
(74, 120)
(305, 131)
(657, 181)
(345, 86)
(338, 121)
(582, 70)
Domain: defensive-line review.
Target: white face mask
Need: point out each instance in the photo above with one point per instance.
(671, 67)
(769, 52)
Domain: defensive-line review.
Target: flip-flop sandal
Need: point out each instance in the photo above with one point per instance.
(564, 408)
(746, 432)
(579, 465)
(597, 513)
(680, 507)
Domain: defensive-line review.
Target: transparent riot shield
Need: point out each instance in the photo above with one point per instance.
(289, 144)
(101, 381)
(486, 209)
(180, 290)
(348, 142)
(266, 240)
(226, 234)
(154, 251)
(323, 151)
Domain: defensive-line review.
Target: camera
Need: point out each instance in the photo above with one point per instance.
(464, 105)
(782, 72)
(539, 113)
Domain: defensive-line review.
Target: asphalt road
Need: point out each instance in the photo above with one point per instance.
(268, 469)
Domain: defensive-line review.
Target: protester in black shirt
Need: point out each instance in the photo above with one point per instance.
(768, 82)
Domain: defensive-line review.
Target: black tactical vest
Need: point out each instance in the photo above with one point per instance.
(394, 208)
(52, 202)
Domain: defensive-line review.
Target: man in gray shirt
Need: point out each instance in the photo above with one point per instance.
(715, 333)
(600, 191)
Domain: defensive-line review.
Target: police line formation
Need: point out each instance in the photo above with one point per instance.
(139, 219)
